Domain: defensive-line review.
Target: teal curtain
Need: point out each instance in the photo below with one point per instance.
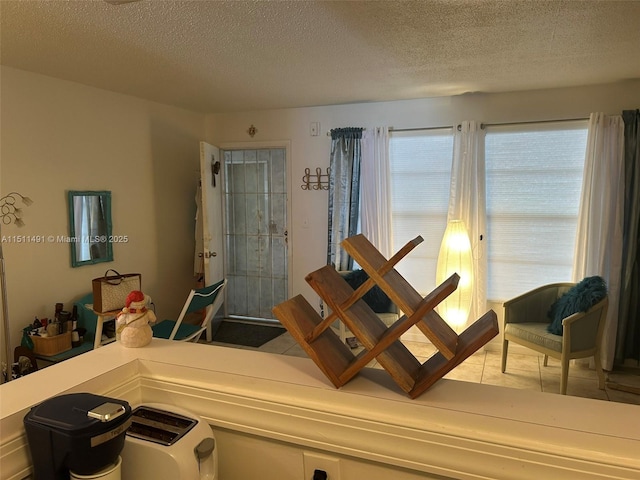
(628, 337)
(344, 193)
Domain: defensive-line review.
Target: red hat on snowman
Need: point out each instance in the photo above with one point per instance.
(136, 302)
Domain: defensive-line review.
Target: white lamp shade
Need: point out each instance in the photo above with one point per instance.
(455, 257)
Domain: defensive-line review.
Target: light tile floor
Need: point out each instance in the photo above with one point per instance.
(523, 371)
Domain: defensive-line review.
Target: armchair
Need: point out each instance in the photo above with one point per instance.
(526, 321)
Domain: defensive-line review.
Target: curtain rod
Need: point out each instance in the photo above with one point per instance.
(391, 129)
(534, 121)
(483, 125)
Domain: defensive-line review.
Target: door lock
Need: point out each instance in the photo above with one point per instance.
(208, 254)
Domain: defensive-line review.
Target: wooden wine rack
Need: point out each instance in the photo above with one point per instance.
(383, 343)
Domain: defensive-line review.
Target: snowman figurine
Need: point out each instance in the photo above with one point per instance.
(134, 319)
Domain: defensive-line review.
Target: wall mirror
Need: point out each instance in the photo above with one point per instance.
(90, 227)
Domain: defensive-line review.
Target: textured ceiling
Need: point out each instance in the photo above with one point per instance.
(223, 56)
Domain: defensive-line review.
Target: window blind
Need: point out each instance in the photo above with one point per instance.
(420, 163)
(534, 178)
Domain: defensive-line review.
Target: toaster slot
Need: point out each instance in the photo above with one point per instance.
(159, 426)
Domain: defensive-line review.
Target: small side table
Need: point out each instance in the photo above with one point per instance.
(103, 317)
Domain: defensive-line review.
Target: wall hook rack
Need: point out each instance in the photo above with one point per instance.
(315, 181)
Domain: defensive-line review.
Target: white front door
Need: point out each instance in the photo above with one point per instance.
(211, 173)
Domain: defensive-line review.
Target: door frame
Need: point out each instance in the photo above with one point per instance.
(257, 145)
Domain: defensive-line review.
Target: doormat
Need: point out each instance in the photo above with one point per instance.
(247, 334)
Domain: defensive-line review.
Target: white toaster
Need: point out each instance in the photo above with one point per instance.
(165, 442)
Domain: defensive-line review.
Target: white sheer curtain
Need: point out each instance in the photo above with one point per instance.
(375, 194)
(599, 233)
(467, 202)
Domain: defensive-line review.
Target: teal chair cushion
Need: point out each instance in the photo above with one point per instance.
(164, 328)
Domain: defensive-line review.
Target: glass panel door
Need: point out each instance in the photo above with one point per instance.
(255, 231)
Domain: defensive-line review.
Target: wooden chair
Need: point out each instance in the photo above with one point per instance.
(210, 298)
(526, 321)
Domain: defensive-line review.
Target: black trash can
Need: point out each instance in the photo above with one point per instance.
(79, 432)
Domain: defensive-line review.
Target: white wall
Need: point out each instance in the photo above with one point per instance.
(59, 136)
(309, 244)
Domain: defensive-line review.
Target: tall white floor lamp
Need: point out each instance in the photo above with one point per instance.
(9, 213)
(455, 257)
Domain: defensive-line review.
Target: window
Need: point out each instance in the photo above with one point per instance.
(420, 163)
(534, 179)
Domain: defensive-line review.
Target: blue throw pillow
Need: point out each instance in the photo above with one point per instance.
(375, 298)
(580, 298)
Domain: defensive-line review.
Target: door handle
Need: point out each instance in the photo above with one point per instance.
(208, 254)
